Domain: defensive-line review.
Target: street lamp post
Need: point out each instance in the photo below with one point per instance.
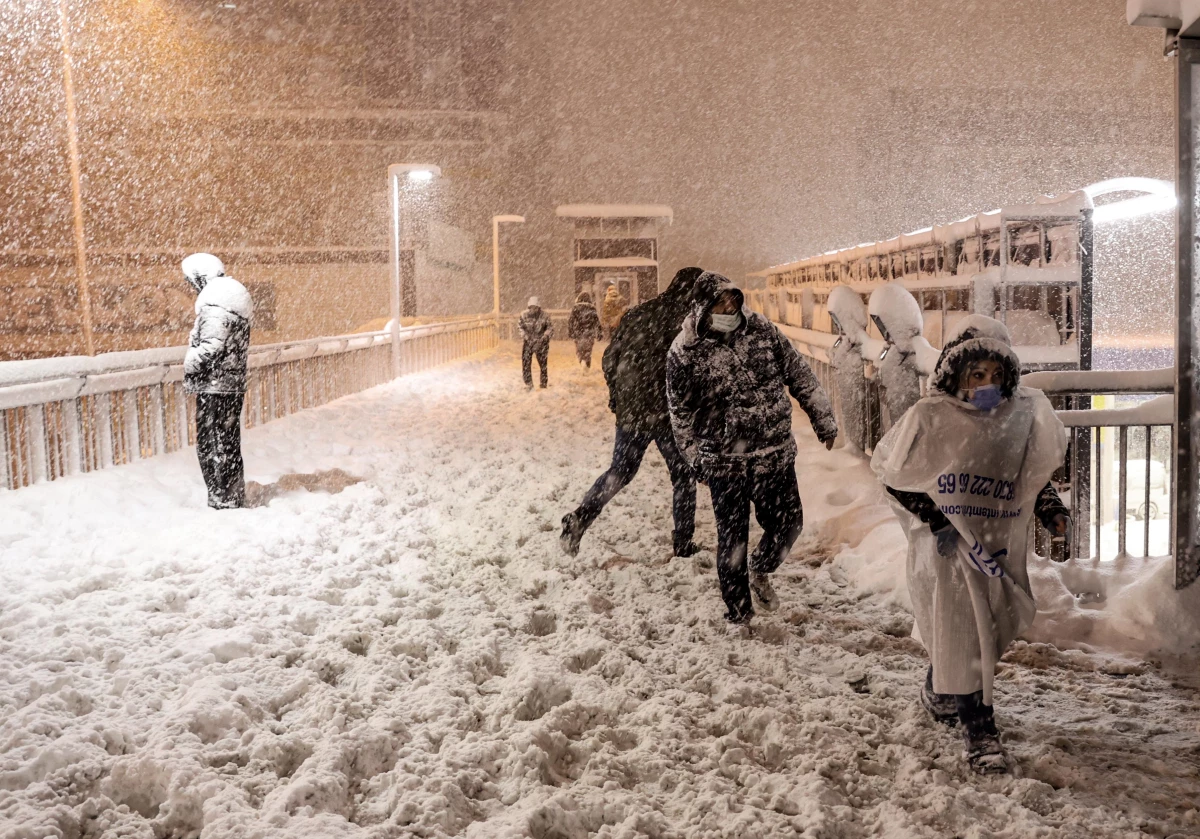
(496, 221)
(81, 278)
(416, 174)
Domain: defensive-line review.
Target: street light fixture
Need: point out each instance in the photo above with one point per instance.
(496, 221)
(416, 174)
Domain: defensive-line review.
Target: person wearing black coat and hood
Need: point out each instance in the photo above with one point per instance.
(635, 368)
(536, 329)
(729, 373)
(584, 328)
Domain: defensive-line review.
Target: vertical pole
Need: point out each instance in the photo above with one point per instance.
(81, 278)
(394, 189)
(495, 267)
(1086, 279)
(1186, 521)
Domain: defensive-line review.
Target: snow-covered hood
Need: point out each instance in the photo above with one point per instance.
(976, 337)
(228, 294)
(708, 289)
(900, 314)
(845, 305)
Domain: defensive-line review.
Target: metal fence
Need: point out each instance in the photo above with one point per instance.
(70, 415)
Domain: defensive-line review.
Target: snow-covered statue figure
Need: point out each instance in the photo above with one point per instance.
(897, 315)
(215, 370)
(849, 317)
(968, 467)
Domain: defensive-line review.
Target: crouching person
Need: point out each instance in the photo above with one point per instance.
(536, 329)
(215, 370)
(729, 373)
(968, 466)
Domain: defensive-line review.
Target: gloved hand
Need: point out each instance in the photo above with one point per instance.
(699, 472)
(1061, 525)
(947, 541)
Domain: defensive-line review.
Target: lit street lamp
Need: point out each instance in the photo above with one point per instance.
(496, 220)
(416, 174)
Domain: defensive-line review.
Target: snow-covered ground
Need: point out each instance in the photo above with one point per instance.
(412, 656)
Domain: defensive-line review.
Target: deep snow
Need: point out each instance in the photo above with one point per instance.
(411, 655)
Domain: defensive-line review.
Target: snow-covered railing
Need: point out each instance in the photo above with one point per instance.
(62, 416)
(1099, 462)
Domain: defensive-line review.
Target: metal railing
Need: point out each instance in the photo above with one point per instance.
(63, 416)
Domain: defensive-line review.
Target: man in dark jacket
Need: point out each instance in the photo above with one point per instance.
(729, 373)
(536, 329)
(584, 328)
(635, 368)
(215, 370)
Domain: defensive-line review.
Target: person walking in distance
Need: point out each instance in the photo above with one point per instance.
(635, 368)
(584, 328)
(536, 329)
(729, 373)
(214, 369)
(613, 309)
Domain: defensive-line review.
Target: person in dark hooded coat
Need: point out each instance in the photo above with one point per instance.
(536, 329)
(214, 369)
(584, 328)
(635, 368)
(729, 373)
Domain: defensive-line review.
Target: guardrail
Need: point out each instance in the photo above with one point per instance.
(63, 416)
(1122, 503)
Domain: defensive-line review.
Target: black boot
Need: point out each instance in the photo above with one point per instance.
(941, 706)
(984, 752)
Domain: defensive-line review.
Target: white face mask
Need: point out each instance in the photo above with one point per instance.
(725, 323)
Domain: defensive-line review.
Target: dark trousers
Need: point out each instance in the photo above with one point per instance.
(219, 448)
(770, 484)
(628, 450)
(528, 351)
(583, 351)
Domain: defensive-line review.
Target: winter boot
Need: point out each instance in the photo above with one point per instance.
(764, 592)
(941, 706)
(572, 533)
(686, 548)
(983, 750)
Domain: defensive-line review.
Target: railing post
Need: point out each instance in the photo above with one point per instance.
(1185, 476)
(158, 424)
(72, 443)
(133, 439)
(35, 423)
(105, 457)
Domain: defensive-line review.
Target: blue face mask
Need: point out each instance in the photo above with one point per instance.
(986, 398)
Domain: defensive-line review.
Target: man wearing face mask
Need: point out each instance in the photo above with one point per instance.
(969, 466)
(729, 374)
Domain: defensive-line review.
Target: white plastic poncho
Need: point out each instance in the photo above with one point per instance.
(984, 470)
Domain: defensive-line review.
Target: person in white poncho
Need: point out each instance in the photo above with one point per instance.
(968, 467)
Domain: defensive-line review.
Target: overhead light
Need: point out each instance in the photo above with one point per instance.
(1159, 197)
(420, 175)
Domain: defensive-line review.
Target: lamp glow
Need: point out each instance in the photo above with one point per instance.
(1159, 197)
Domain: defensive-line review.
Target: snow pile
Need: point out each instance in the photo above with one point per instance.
(412, 656)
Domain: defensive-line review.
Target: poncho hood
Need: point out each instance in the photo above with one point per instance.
(845, 305)
(898, 314)
(977, 338)
(709, 288)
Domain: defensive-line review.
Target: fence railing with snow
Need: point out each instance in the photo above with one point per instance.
(63, 416)
(1116, 476)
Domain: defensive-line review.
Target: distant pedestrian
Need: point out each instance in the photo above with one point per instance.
(969, 467)
(612, 310)
(215, 370)
(635, 368)
(536, 329)
(584, 328)
(728, 377)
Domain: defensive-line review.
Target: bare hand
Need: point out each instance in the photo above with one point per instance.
(1061, 525)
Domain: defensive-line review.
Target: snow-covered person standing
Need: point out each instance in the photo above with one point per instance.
(849, 317)
(729, 373)
(536, 329)
(215, 370)
(612, 310)
(897, 316)
(583, 328)
(635, 369)
(969, 466)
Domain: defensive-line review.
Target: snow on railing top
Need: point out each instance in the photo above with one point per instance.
(1160, 380)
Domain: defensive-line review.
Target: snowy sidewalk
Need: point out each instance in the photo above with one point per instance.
(413, 656)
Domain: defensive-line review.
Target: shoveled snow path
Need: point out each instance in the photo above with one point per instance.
(414, 657)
